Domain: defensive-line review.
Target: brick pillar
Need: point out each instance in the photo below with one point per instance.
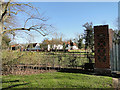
(102, 49)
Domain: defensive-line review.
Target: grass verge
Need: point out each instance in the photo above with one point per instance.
(56, 80)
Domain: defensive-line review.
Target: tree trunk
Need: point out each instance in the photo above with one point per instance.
(0, 44)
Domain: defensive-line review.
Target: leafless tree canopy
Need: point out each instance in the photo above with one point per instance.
(10, 11)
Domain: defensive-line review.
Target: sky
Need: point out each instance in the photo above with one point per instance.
(69, 17)
(63, 0)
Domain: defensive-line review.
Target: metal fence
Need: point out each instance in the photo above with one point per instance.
(115, 53)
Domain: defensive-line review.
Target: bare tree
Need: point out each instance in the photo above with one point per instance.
(0, 43)
(57, 38)
(10, 10)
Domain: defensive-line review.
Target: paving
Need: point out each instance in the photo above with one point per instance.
(116, 83)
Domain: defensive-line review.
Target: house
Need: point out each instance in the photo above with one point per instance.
(57, 44)
(33, 47)
(54, 44)
(70, 46)
(16, 46)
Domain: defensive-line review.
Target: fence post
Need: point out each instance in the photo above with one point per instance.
(119, 57)
(53, 61)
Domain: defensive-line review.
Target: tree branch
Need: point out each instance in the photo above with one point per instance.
(12, 9)
(8, 31)
(28, 29)
(5, 11)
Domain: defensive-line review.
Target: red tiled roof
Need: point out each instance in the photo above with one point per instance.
(69, 43)
(14, 45)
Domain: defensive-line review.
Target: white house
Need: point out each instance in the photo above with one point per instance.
(49, 47)
(59, 47)
(74, 47)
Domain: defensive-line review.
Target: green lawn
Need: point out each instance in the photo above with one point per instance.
(56, 80)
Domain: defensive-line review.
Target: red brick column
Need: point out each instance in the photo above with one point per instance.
(102, 47)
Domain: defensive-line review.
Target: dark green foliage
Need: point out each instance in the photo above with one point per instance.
(73, 61)
(64, 46)
(89, 39)
(116, 38)
(71, 43)
(89, 36)
(80, 42)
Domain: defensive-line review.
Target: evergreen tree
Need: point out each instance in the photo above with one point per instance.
(89, 39)
(80, 42)
(89, 36)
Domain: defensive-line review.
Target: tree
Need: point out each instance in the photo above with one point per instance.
(89, 36)
(57, 38)
(116, 39)
(79, 41)
(44, 44)
(89, 39)
(64, 46)
(5, 41)
(10, 11)
(10, 24)
(71, 44)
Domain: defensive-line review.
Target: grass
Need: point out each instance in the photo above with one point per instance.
(56, 80)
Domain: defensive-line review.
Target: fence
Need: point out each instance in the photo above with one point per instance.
(115, 53)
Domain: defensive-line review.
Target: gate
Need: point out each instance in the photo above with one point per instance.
(115, 53)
